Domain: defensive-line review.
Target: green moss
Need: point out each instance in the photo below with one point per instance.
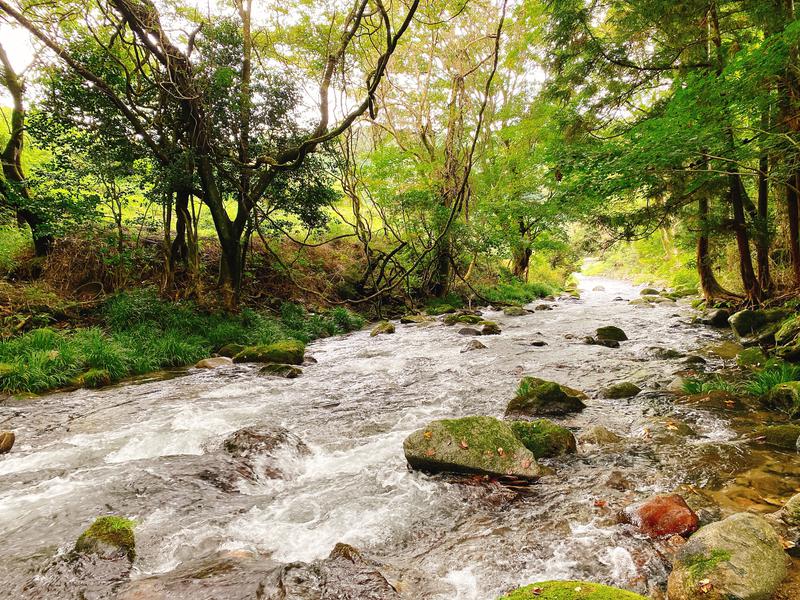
(700, 565)
(751, 357)
(440, 309)
(784, 397)
(285, 371)
(93, 378)
(230, 350)
(383, 327)
(108, 536)
(625, 389)
(570, 590)
(780, 436)
(462, 318)
(287, 352)
(544, 438)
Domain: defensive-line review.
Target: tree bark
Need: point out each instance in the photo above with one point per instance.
(712, 290)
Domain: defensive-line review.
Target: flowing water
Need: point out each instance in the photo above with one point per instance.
(137, 450)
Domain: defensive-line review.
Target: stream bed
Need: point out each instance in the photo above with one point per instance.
(139, 449)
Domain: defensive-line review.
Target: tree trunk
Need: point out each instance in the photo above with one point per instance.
(749, 281)
(520, 260)
(712, 290)
(762, 222)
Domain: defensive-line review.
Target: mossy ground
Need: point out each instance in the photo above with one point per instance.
(570, 590)
(700, 565)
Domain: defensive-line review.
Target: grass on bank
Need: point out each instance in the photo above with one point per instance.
(142, 333)
(757, 384)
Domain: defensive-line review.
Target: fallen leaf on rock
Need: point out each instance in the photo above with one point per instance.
(464, 444)
(537, 591)
(427, 435)
(600, 503)
(501, 452)
(705, 586)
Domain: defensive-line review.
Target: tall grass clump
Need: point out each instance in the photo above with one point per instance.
(517, 292)
(698, 386)
(766, 379)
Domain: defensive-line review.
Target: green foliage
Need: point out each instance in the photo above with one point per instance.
(515, 291)
(145, 333)
(697, 386)
(763, 381)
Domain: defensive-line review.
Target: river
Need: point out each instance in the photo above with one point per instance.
(136, 449)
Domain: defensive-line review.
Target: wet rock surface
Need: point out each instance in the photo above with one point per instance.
(662, 515)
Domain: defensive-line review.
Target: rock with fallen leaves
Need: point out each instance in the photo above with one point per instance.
(662, 515)
(739, 557)
(570, 590)
(537, 397)
(482, 445)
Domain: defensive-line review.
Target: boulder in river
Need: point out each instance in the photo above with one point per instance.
(514, 311)
(591, 341)
(790, 513)
(600, 436)
(230, 350)
(610, 332)
(6, 441)
(468, 331)
(543, 307)
(285, 371)
(754, 326)
(784, 437)
(570, 590)
(661, 353)
(382, 328)
(648, 291)
(739, 557)
(461, 317)
(784, 397)
(544, 438)
(262, 452)
(214, 362)
(109, 538)
(415, 318)
(490, 328)
(716, 318)
(625, 389)
(287, 352)
(473, 345)
(537, 397)
(599, 288)
(662, 515)
(478, 444)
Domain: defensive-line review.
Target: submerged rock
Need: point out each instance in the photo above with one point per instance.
(610, 332)
(599, 288)
(473, 345)
(570, 590)
(598, 342)
(784, 397)
(214, 363)
(109, 538)
(784, 437)
(260, 453)
(537, 397)
(287, 352)
(482, 445)
(716, 318)
(543, 307)
(538, 343)
(625, 389)
(600, 436)
(7, 439)
(285, 371)
(739, 557)
(544, 438)
(490, 328)
(468, 331)
(662, 515)
(383, 327)
(660, 353)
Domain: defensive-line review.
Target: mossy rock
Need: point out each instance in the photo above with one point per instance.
(784, 437)
(758, 326)
(641, 302)
(414, 319)
(478, 444)
(739, 557)
(610, 332)
(466, 319)
(784, 397)
(287, 352)
(231, 350)
(109, 538)
(93, 378)
(790, 513)
(440, 309)
(514, 311)
(381, 328)
(544, 438)
(625, 389)
(570, 590)
(788, 330)
(285, 371)
(537, 397)
(648, 291)
(490, 328)
(753, 357)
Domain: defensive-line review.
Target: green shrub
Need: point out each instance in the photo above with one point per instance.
(766, 379)
(517, 292)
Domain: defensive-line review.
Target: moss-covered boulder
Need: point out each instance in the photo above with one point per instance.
(784, 437)
(784, 397)
(739, 557)
(544, 438)
(648, 291)
(570, 590)
(7, 439)
(287, 352)
(465, 318)
(473, 345)
(440, 309)
(790, 513)
(537, 397)
(514, 311)
(788, 330)
(625, 389)
(482, 445)
(231, 350)
(610, 332)
(600, 436)
(285, 371)
(758, 326)
(381, 328)
(109, 538)
(93, 378)
(489, 328)
(717, 317)
(753, 357)
(414, 319)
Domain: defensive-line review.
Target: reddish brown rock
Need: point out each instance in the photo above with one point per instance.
(662, 515)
